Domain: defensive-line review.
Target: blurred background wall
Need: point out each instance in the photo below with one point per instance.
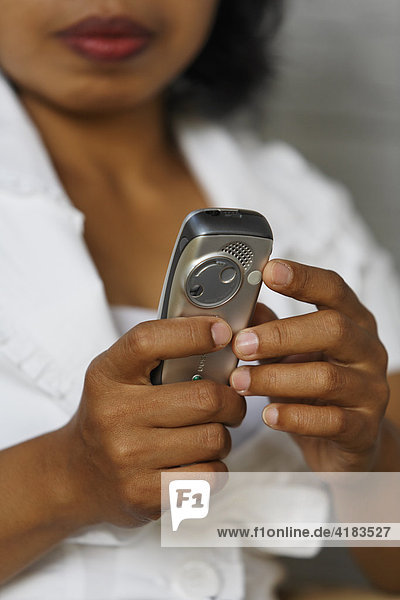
(337, 100)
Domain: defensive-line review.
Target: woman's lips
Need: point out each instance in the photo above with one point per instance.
(106, 48)
(106, 39)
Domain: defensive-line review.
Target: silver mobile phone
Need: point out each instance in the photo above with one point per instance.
(215, 269)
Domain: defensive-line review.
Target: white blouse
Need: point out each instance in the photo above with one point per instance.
(54, 318)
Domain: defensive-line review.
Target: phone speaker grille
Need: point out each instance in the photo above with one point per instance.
(243, 253)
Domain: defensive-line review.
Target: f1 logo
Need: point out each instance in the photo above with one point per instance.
(188, 499)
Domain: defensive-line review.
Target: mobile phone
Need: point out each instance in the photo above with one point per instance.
(215, 269)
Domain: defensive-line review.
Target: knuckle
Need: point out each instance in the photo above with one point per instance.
(272, 378)
(382, 395)
(338, 422)
(155, 515)
(337, 324)
(93, 376)
(298, 420)
(385, 392)
(217, 467)
(193, 332)
(118, 452)
(382, 357)
(369, 321)
(363, 431)
(214, 469)
(93, 424)
(339, 288)
(215, 473)
(302, 278)
(94, 366)
(209, 397)
(217, 439)
(236, 407)
(331, 380)
(278, 334)
(242, 408)
(138, 340)
(141, 498)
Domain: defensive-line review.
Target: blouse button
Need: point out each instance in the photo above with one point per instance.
(197, 580)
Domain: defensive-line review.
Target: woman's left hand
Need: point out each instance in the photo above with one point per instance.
(329, 388)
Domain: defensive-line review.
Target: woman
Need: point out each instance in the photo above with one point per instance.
(91, 134)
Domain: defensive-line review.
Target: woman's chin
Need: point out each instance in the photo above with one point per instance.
(95, 100)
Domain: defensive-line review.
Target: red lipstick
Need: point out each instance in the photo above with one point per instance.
(106, 39)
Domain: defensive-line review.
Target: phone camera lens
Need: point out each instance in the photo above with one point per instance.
(213, 281)
(227, 275)
(196, 290)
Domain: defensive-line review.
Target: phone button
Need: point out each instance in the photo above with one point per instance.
(254, 277)
(183, 243)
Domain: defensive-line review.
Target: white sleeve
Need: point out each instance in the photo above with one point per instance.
(381, 294)
(372, 276)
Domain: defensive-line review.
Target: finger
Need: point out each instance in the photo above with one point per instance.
(303, 358)
(321, 381)
(262, 314)
(294, 358)
(182, 404)
(327, 331)
(132, 358)
(279, 399)
(324, 288)
(215, 472)
(333, 422)
(214, 466)
(184, 445)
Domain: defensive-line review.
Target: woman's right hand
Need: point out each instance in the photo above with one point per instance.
(126, 430)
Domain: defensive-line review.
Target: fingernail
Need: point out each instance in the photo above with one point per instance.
(241, 380)
(281, 274)
(270, 415)
(221, 333)
(247, 343)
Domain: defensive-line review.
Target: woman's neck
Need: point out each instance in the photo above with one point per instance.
(117, 149)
